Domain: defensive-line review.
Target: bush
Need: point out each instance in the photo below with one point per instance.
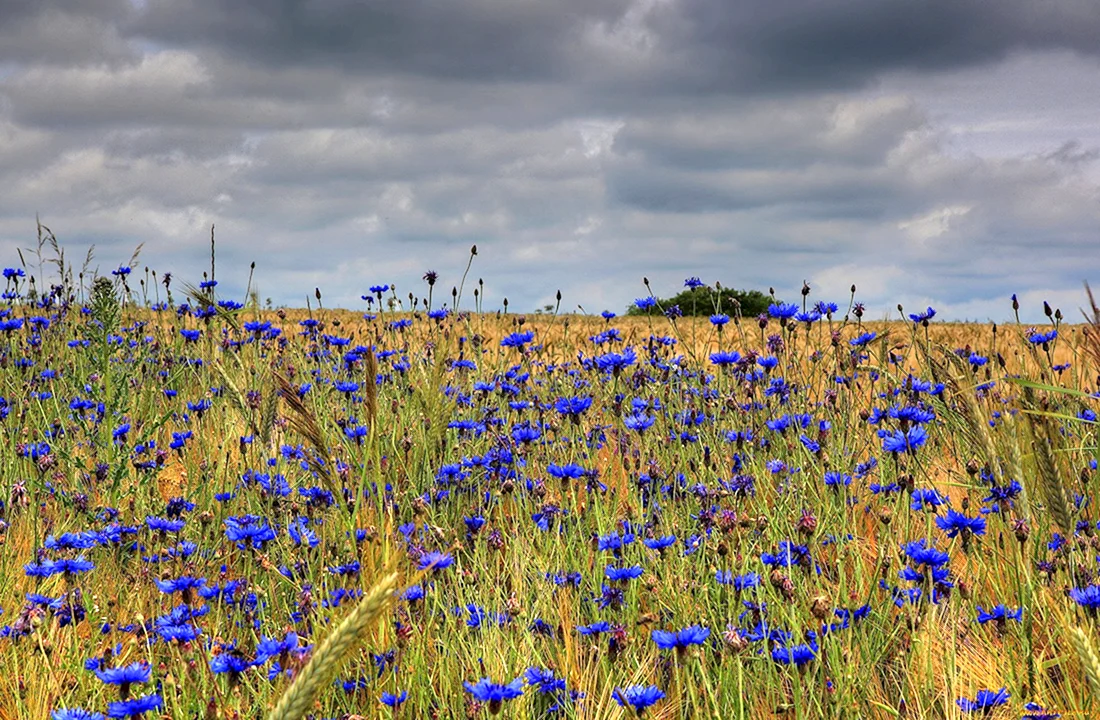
(708, 300)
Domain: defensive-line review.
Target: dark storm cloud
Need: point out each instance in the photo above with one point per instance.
(484, 39)
(720, 46)
(695, 46)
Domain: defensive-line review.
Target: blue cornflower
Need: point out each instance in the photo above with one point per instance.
(638, 697)
(638, 421)
(787, 555)
(545, 680)
(681, 639)
(518, 339)
(494, 694)
(74, 713)
(1087, 597)
(134, 706)
(615, 574)
(739, 582)
(863, 339)
(723, 358)
(923, 498)
(230, 661)
(572, 406)
(985, 701)
(693, 282)
(392, 700)
(920, 553)
(64, 566)
(999, 614)
(600, 626)
(905, 441)
(571, 471)
(158, 524)
(923, 317)
(645, 303)
(835, 479)
(614, 362)
(719, 319)
(782, 311)
(912, 414)
(954, 523)
(660, 543)
(125, 676)
(1042, 338)
(184, 584)
(435, 560)
(273, 647)
(797, 655)
(248, 531)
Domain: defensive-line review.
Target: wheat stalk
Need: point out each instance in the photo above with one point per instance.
(1089, 661)
(318, 672)
(1054, 492)
(303, 422)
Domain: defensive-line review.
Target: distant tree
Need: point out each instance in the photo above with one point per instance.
(709, 300)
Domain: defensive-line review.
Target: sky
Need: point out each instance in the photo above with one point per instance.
(942, 153)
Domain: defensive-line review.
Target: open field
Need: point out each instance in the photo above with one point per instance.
(600, 517)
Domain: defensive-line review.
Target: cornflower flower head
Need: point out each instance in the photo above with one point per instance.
(572, 407)
(782, 311)
(999, 614)
(135, 673)
(639, 422)
(494, 694)
(638, 697)
(904, 441)
(1087, 597)
(680, 640)
(984, 701)
(797, 655)
(545, 679)
(923, 317)
(955, 523)
(517, 339)
(435, 560)
(134, 707)
(75, 714)
(863, 340)
(392, 700)
(248, 531)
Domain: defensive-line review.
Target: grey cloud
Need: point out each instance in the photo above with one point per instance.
(487, 39)
(806, 45)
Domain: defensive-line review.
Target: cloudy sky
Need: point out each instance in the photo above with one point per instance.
(944, 152)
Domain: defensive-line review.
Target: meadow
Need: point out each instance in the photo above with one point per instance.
(207, 506)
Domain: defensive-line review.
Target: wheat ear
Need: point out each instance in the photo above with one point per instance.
(1089, 661)
(318, 672)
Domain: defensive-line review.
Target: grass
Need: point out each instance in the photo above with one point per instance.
(237, 524)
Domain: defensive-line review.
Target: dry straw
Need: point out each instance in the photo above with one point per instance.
(318, 673)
